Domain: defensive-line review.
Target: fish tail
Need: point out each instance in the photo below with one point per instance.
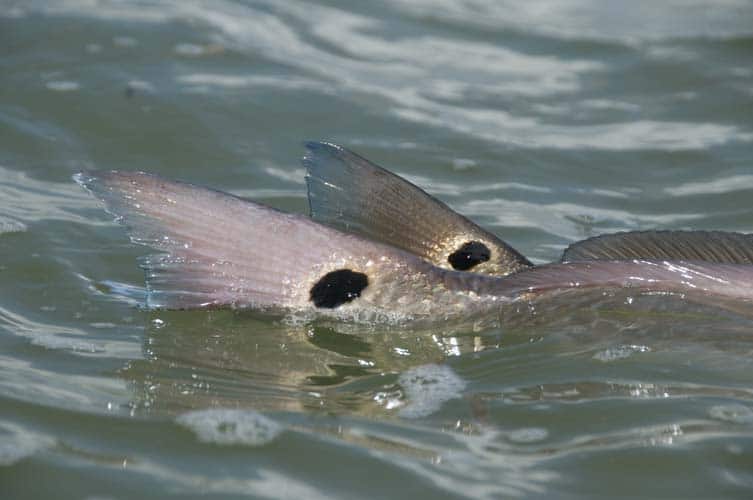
(219, 250)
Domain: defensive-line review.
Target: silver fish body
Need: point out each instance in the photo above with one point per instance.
(218, 250)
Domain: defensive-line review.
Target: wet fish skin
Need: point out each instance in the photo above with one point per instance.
(706, 246)
(350, 193)
(219, 250)
(222, 251)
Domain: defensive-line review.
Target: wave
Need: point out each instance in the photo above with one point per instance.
(435, 80)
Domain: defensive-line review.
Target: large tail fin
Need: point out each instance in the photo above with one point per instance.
(348, 192)
(220, 250)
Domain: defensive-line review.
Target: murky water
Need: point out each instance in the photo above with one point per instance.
(545, 123)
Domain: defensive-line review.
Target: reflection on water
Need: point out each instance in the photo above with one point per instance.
(501, 422)
(194, 360)
(238, 359)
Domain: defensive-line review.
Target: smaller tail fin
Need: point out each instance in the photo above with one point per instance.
(350, 193)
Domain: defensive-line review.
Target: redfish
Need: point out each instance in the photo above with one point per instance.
(377, 246)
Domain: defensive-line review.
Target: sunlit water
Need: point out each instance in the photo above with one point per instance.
(546, 123)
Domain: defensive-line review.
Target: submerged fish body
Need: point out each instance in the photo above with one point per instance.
(218, 250)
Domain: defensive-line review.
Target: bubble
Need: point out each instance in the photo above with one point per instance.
(231, 427)
(427, 387)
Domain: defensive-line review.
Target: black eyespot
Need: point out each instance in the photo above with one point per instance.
(470, 254)
(337, 288)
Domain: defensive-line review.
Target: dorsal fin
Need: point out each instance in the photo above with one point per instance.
(350, 193)
(709, 246)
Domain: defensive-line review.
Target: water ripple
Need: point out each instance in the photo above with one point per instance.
(25, 200)
(613, 21)
(17, 443)
(721, 185)
(423, 77)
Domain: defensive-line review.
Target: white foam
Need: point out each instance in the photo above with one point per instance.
(63, 85)
(25, 381)
(528, 435)
(12, 226)
(461, 164)
(12, 13)
(46, 335)
(626, 22)
(435, 187)
(620, 352)
(424, 78)
(141, 85)
(296, 175)
(231, 427)
(189, 49)
(723, 185)
(735, 413)
(561, 219)
(25, 199)
(609, 104)
(124, 41)
(201, 81)
(260, 483)
(17, 443)
(427, 388)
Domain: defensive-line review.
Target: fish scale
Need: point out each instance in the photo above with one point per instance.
(223, 251)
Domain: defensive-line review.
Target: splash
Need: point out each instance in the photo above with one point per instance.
(428, 387)
(231, 427)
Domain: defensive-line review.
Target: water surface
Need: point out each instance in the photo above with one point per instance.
(545, 123)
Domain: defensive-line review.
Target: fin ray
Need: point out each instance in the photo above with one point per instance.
(350, 193)
(707, 246)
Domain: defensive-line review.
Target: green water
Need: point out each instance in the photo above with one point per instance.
(545, 123)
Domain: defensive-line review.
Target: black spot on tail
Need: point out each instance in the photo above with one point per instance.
(470, 254)
(337, 288)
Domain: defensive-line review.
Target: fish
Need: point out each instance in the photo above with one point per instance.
(377, 248)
